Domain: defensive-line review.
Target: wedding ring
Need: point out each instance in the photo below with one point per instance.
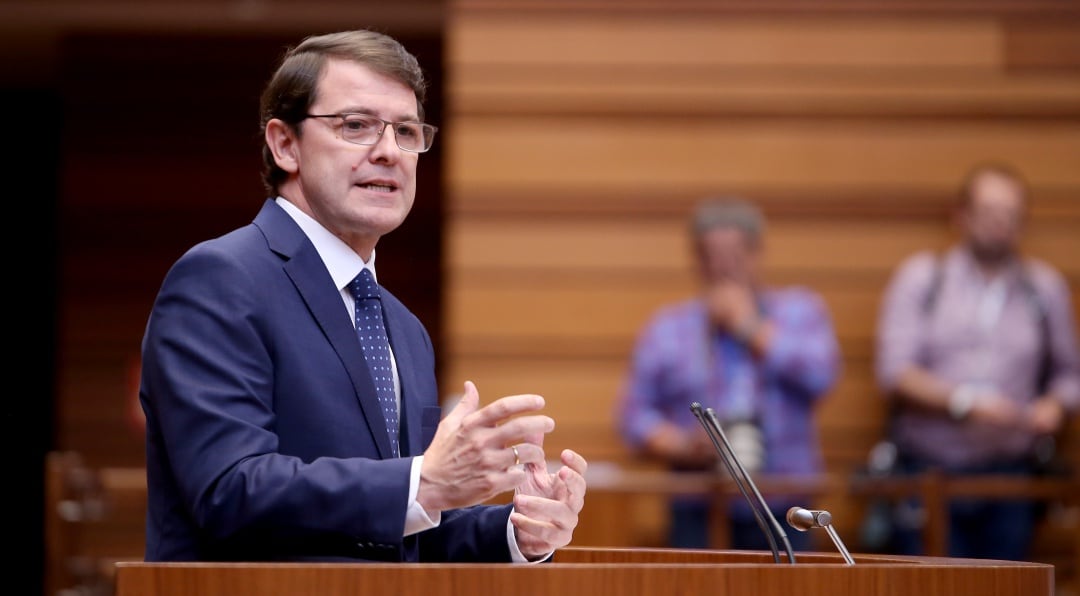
(517, 460)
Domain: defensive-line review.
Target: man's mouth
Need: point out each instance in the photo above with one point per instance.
(377, 187)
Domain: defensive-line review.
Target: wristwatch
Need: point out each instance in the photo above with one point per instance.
(961, 400)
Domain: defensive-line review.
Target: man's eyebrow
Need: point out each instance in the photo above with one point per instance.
(370, 112)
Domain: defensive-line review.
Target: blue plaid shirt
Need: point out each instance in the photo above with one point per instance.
(680, 358)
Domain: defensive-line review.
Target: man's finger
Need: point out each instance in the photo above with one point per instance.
(575, 461)
(505, 407)
(468, 404)
(547, 521)
(524, 453)
(517, 429)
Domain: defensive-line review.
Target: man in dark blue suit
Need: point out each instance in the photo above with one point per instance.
(266, 437)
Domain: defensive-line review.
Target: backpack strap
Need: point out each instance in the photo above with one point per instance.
(1035, 302)
(1039, 311)
(932, 291)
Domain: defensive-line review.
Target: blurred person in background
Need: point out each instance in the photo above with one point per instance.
(977, 353)
(762, 357)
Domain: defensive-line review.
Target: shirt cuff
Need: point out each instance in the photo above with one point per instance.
(416, 518)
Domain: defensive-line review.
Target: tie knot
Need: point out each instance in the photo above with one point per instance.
(364, 286)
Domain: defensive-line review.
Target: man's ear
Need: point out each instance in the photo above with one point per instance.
(281, 139)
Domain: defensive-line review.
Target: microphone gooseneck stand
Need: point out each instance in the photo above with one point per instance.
(742, 479)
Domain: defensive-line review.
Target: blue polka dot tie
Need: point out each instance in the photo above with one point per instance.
(376, 346)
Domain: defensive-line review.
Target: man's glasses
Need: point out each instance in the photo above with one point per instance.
(364, 129)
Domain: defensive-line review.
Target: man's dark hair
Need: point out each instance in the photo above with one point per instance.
(292, 89)
(728, 212)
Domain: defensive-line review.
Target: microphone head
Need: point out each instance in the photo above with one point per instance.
(800, 519)
(804, 519)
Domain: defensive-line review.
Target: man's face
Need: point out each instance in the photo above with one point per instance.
(358, 192)
(727, 255)
(992, 218)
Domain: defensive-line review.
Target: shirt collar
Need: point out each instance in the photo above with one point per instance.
(341, 261)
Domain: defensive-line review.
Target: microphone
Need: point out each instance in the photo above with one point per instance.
(804, 519)
(742, 479)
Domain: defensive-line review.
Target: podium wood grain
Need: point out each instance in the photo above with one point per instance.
(601, 572)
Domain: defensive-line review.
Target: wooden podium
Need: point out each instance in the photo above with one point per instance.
(577, 571)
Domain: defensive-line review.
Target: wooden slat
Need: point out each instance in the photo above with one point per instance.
(1038, 44)
(718, 154)
(596, 91)
(619, 39)
(621, 246)
(666, 8)
(919, 201)
(612, 247)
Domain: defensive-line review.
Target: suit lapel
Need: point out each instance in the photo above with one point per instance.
(308, 273)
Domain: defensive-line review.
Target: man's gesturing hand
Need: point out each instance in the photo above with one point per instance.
(474, 453)
(546, 506)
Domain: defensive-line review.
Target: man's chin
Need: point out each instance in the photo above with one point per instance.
(992, 255)
(391, 220)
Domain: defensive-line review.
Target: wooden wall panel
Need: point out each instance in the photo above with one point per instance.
(636, 40)
(537, 152)
(570, 245)
(581, 134)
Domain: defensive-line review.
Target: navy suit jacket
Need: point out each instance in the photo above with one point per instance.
(264, 436)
